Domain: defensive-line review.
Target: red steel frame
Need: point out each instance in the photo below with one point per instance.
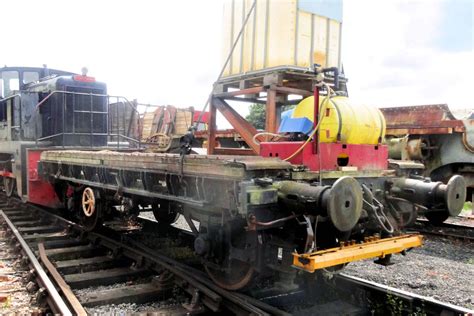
(364, 157)
(323, 156)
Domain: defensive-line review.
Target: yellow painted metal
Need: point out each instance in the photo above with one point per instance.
(372, 248)
(345, 122)
(279, 34)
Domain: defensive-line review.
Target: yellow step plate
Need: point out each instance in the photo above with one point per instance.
(373, 247)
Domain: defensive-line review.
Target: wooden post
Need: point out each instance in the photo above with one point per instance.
(271, 112)
(211, 135)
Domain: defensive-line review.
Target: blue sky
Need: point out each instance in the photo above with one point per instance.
(456, 26)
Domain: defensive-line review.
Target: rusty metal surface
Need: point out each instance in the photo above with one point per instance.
(242, 126)
(422, 119)
(65, 289)
(234, 151)
(230, 133)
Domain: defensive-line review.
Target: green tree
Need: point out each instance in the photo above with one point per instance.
(256, 115)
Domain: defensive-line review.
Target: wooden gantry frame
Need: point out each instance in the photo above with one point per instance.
(271, 87)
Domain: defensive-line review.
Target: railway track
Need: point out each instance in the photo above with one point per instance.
(74, 260)
(385, 299)
(73, 269)
(446, 230)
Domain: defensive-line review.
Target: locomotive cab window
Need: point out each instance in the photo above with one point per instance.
(10, 83)
(29, 77)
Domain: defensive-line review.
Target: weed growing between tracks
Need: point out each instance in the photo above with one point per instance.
(392, 305)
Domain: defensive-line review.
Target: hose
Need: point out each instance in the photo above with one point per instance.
(256, 142)
(466, 144)
(318, 125)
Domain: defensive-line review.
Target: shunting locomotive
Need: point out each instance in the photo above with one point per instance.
(317, 200)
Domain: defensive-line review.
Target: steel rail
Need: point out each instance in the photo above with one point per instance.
(215, 295)
(234, 297)
(212, 291)
(65, 289)
(446, 234)
(446, 230)
(429, 303)
(57, 300)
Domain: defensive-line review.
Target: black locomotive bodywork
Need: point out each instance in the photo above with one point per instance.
(44, 108)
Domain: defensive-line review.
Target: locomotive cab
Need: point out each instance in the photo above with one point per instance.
(54, 107)
(43, 108)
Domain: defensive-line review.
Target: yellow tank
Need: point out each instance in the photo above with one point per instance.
(352, 124)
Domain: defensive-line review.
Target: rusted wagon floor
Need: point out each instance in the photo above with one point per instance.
(441, 269)
(466, 220)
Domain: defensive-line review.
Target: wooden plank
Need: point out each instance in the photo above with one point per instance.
(253, 90)
(287, 90)
(211, 136)
(74, 252)
(86, 264)
(40, 229)
(103, 277)
(234, 151)
(45, 236)
(271, 112)
(138, 294)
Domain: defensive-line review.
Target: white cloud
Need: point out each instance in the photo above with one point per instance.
(158, 51)
(169, 52)
(391, 60)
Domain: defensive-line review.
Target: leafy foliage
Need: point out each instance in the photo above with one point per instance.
(257, 116)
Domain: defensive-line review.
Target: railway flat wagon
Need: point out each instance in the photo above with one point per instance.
(304, 204)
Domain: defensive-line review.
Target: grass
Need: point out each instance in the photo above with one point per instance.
(467, 208)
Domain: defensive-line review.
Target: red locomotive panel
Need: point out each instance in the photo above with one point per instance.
(39, 191)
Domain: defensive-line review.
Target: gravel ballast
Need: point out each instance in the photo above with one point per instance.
(14, 298)
(441, 269)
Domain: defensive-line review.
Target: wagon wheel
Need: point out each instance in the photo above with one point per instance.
(164, 212)
(159, 141)
(9, 184)
(91, 209)
(232, 274)
(238, 276)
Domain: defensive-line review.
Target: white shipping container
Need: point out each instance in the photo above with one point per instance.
(280, 33)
